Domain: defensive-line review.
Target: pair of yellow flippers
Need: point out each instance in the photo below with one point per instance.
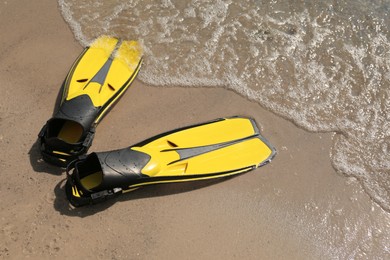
(100, 75)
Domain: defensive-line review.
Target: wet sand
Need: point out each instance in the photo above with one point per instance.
(297, 207)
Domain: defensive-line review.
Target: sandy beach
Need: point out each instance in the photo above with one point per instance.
(296, 207)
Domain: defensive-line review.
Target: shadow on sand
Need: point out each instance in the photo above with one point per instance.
(62, 205)
(38, 164)
(36, 161)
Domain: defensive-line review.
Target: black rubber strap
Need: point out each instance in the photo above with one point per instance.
(89, 197)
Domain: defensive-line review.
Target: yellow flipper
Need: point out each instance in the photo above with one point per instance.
(215, 149)
(97, 79)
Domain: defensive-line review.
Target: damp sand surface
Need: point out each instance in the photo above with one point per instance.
(297, 207)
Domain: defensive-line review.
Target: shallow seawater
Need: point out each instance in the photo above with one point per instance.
(325, 65)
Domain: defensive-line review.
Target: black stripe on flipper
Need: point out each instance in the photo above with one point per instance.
(101, 75)
(149, 140)
(186, 153)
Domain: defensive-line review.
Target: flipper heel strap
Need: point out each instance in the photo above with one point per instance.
(72, 152)
(73, 188)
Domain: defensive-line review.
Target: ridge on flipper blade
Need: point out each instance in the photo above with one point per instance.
(219, 148)
(97, 79)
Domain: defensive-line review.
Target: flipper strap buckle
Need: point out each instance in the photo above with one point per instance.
(101, 195)
(89, 138)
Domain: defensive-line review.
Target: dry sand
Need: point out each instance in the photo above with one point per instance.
(297, 207)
